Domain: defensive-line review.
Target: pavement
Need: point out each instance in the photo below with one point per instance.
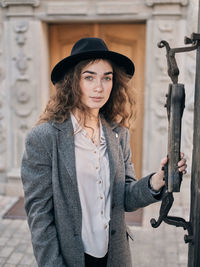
(160, 247)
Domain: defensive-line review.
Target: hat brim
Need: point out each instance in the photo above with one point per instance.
(65, 64)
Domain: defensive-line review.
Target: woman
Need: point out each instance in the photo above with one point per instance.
(76, 170)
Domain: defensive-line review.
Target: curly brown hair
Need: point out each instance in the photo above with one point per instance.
(119, 107)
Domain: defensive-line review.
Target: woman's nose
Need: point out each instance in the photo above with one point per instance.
(99, 86)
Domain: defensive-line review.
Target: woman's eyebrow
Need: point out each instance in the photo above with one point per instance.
(92, 72)
(108, 73)
(88, 71)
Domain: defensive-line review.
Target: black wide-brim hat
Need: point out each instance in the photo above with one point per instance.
(90, 48)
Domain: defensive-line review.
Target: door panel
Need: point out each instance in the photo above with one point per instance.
(125, 38)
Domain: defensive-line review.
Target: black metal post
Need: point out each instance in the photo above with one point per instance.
(194, 247)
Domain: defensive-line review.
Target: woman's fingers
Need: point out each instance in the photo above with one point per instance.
(183, 169)
(163, 162)
(182, 155)
(182, 166)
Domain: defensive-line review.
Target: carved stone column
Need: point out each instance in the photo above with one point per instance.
(21, 90)
(24, 54)
(167, 23)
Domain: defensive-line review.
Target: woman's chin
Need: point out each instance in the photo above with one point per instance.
(95, 106)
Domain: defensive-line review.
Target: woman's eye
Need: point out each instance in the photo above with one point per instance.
(108, 78)
(89, 78)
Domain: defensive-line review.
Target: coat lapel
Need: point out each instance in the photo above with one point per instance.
(65, 139)
(66, 149)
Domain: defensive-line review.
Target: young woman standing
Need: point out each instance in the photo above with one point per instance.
(76, 170)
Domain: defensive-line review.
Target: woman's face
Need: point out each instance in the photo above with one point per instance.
(96, 83)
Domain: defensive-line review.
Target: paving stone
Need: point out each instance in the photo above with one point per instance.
(7, 233)
(15, 258)
(12, 242)
(21, 247)
(2, 260)
(6, 251)
(34, 264)
(27, 259)
(29, 249)
(3, 240)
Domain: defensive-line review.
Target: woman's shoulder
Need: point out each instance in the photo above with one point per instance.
(116, 127)
(119, 129)
(42, 131)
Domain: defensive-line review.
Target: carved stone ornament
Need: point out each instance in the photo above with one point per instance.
(166, 2)
(6, 3)
(165, 26)
(21, 27)
(22, 101)
(21, 60)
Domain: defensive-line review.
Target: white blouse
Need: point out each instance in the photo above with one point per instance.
(93, 177)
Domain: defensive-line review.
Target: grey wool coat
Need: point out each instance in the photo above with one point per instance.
(52, 200)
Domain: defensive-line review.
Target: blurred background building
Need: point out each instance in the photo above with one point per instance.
(35, 34)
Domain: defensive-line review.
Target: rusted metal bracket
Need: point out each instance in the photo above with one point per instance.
(175, 106)
(173, 70)
(166, 205)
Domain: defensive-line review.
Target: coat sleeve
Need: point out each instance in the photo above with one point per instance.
(137, 193)
(36, 178)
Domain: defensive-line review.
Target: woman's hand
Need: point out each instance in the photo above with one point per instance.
(157, 179)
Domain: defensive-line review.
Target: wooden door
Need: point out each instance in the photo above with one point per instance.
(125, 38)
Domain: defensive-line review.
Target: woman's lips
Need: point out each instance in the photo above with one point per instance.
(96, 98)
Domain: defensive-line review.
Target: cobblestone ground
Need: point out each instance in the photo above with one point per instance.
(161, 247)
(15, 245)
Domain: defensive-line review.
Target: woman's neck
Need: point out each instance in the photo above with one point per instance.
(89, 120)
(90, 123)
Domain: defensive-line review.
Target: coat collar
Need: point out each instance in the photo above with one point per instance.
(66, 124)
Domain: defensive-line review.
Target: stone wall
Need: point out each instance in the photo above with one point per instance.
(24, 81)
(3, 103)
